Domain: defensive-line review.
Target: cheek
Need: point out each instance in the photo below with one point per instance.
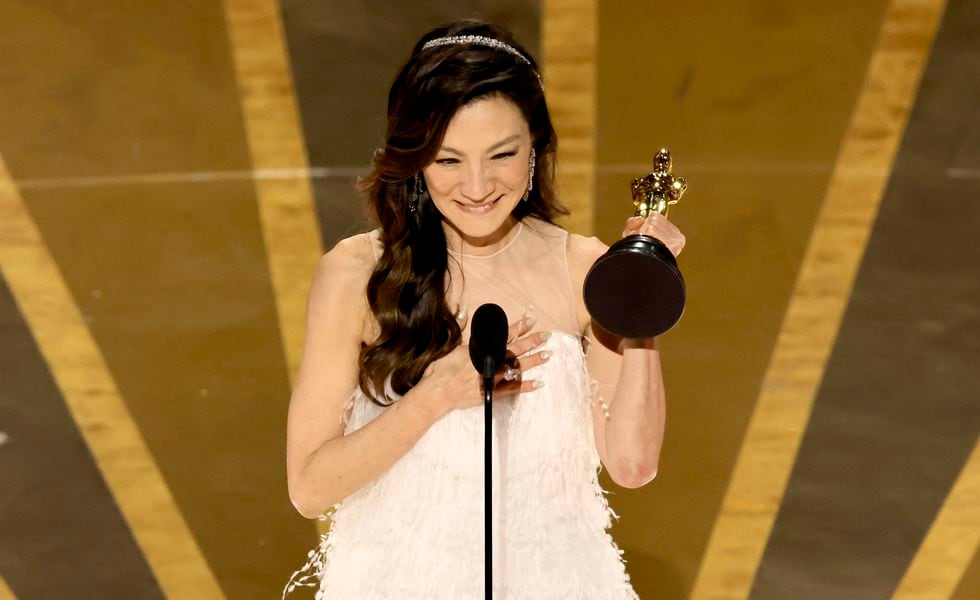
(513, 175)
(439, 184)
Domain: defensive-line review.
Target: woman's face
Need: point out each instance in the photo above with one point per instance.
(481, 170)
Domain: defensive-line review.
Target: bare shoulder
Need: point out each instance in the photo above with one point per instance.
(352, 257)
(582, 253)
(341, 279)
(349, 264)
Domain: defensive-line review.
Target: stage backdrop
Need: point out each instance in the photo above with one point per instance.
(170, 173)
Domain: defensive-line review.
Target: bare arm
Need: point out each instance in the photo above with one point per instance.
(323, 465)
(630, 382)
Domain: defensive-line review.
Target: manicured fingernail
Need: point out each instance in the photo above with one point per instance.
(537, 384)
(545, 335)
(529, 321)
(528, 310)
(546, 354)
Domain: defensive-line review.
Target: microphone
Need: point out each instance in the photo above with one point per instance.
(488, 349)
(488, 341)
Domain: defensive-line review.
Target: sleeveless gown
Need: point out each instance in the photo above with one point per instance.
(417, 531)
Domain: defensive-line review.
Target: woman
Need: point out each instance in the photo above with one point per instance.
(462, 193)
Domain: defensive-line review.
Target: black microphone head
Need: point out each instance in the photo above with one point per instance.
(488, 336)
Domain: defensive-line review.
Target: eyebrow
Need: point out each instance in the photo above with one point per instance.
(502, 142)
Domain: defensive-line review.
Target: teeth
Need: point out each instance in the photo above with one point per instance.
(479, 210)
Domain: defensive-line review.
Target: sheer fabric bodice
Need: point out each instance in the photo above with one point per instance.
(529, 270)
(417, 531)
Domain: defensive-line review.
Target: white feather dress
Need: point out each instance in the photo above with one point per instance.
(417, 531)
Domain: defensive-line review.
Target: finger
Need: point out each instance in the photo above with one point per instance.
(533, 360)
(677, 244)
(633, 225)
(653, 222)
(506, 373)
(511, 388)
(519, 328)
(662, 223)
(513, 369)
(525, 344)
(660, 227)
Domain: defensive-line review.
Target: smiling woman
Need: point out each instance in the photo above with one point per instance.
(386, 418)
(482, 170)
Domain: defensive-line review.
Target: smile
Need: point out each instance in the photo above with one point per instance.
(478, 209)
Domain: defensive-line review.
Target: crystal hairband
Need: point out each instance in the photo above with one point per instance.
(481, 40)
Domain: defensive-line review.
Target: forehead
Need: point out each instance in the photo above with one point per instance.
(485, 121)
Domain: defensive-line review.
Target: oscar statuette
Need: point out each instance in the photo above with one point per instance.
(635, 289)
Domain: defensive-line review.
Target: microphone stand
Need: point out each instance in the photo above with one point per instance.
(488, 348)
(487, 474)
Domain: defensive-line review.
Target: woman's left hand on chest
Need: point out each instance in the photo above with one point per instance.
(657, 225)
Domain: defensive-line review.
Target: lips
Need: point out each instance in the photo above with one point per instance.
(478, 209)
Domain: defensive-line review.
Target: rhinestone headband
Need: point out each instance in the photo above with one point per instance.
(481, 40)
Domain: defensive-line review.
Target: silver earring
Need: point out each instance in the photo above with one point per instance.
(530, 178)
(413, 205)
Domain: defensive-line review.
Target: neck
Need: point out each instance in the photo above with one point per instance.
(457, 241)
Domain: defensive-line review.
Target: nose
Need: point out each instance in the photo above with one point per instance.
(477, 185)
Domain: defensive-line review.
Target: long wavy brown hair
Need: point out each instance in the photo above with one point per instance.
(406, 291)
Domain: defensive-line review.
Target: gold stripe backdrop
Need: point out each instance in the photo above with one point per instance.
(569, 42)
(822, 289)
(952, 540)
(5, 592)
(290, 227)
(91, 395)
(275, 141)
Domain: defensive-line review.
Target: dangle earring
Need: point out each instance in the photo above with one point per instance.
(413, 205)
(530, 178)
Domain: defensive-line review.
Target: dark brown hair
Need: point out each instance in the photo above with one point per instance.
(406, 291)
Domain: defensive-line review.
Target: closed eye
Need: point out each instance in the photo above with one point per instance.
(505, 154)
(447, 161)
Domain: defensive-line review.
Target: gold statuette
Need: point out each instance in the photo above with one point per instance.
(659, 190)
(635, 289)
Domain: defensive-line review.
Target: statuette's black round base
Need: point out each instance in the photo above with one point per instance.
(635, 289)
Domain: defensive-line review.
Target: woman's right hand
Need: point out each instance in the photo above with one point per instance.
(451, 382)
